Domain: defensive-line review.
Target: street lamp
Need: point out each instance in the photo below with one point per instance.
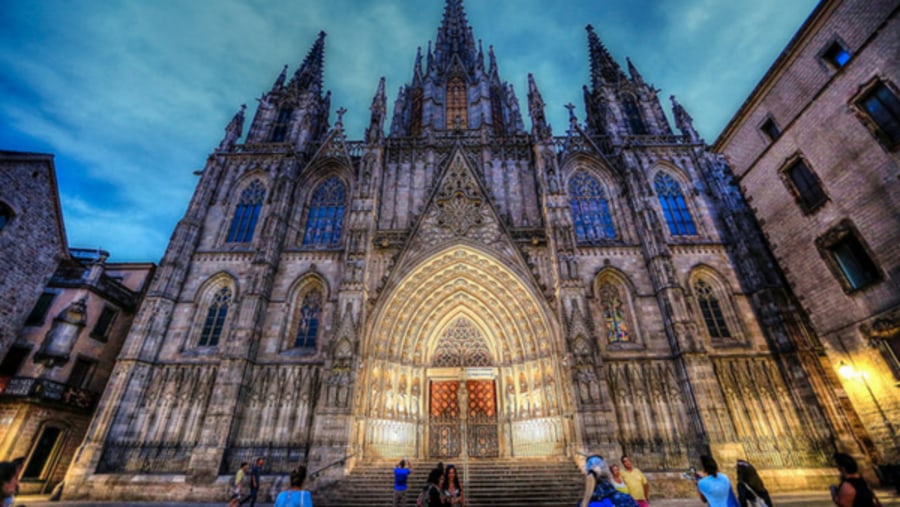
(849, 372)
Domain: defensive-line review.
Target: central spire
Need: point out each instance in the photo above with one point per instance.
(455, 37)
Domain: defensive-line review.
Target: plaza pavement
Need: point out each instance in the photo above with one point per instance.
(807, 499)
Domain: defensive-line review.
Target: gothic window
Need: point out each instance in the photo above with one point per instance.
(590, 209)
(326, 215)
(711, 310)
(247, 213)
(805, 186)
(282, 124)
(415, 120)
(6, 215)
(104, 324)
(674, 207)
(848, 257)
(462, 345)
(614, 313)
(457, 105)
(216, 313)
(497, 110)
(308, 320)
(633, 115)
(770, 129)
(46, 446)
(882, 110)
(39, 312)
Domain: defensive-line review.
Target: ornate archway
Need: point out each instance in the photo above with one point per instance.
(461, 358)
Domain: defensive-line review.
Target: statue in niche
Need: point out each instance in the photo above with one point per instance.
(388, 398)
(549, 389)
(510, 397)
(414, 399)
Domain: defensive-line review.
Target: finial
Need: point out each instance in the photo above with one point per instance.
(340, 112)
(571, 107)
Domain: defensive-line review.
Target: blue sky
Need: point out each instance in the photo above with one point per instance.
(132, 95)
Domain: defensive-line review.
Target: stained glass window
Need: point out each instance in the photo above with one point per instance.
(590, 209)
(308, 325)
(711, 310)
(326, 214)
(247, 213)
(215, 318)
(457, 110)
(614, 314)
(674, 207)
(282, 124)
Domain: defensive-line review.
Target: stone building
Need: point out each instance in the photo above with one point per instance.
(815, 151)
(32, 235)
(461, 287)
(53, 373)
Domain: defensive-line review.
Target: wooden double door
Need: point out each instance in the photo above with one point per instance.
(463, 417)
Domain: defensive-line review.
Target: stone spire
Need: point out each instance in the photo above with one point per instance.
(279, 81)
(539, 127)
(683, 121)
(234, 130)
(454, 38)
(604, 69)
(633, 72)
(375, 131)
(309, 75)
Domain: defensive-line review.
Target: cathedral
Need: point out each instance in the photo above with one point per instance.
(457, 285)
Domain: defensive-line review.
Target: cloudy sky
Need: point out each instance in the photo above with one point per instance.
(132, 95)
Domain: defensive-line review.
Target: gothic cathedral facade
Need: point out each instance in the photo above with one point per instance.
(459, 285)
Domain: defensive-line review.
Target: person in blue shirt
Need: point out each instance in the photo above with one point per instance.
(295, 495)
(401, 475)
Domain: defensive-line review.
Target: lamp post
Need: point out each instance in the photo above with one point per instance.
(849, 372)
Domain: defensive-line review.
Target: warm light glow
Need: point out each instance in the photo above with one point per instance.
(847, 371)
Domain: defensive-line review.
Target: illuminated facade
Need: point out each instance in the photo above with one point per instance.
(460, 288)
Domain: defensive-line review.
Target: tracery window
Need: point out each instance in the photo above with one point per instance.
(674, 207)
(282, 124)
(308, 320)
(462, 345)
(326, 215)
(215, 318)
(711, 310)
(247, 213)
(633, 115)
(590, 209)
(614, 314)
(457, 110)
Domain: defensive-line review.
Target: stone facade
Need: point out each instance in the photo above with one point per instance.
(32, 237)
(818, 94)
(460, 288)
(53, 373)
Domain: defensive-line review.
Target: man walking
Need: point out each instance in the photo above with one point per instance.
(636, 482)
(255, 473)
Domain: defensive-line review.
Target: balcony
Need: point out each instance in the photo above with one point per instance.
(48, 390)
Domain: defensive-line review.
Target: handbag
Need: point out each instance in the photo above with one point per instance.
(757, 500)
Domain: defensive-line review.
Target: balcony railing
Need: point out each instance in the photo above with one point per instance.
(48, 390)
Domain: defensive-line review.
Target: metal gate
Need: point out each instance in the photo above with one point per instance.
(444, 436)
(481, 421)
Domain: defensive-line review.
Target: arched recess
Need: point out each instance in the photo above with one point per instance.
(612, 188)
(304, 315)
(245, 203)
(326, 199)
(615, 310)
(715, 308)
(462, 283)
(215, 302)
(677, 191)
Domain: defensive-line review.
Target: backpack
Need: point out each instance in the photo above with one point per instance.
(423, 499)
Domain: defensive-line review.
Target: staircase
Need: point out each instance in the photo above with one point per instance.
(554, 482)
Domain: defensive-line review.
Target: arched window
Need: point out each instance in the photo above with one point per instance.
(614, 313)
(711, 310)
(590, 209)
(282, 124)
(326, 214)
(457, 110)
(674, 207)
(308, 320)
(633, 115)
(215, 318)
(246, 213)
(415, 120)
(6, 215)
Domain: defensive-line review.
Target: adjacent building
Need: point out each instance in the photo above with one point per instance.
(816, 152)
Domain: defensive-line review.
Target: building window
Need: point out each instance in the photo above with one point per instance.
(614, 314)
(326, 215)
(805, 185)
(882, 108)
(770, 129)
(835, 55)
(104, 324)
(633, 115)
(674, 207)
(215, 318)
(457, 104)
(282, 124)
(711, 310)
(6, 215)
(13, 361)
(247, 213)
(39, 312)
(590, 209)
(37, 465)
(82, 373)
(308, 320)
(848, 257)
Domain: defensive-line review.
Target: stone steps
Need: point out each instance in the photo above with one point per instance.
(496, 482)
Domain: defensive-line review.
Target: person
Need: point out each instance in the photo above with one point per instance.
(749, 484)
(598, 490)
(431, 493)
(401, 475)
(255, 473)
(11, 500)
(852, 490)
(638, 487)
(9, 480)
(237, 485)
(295, 495)
(714, 488)
(453, 495)
(617, 480)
